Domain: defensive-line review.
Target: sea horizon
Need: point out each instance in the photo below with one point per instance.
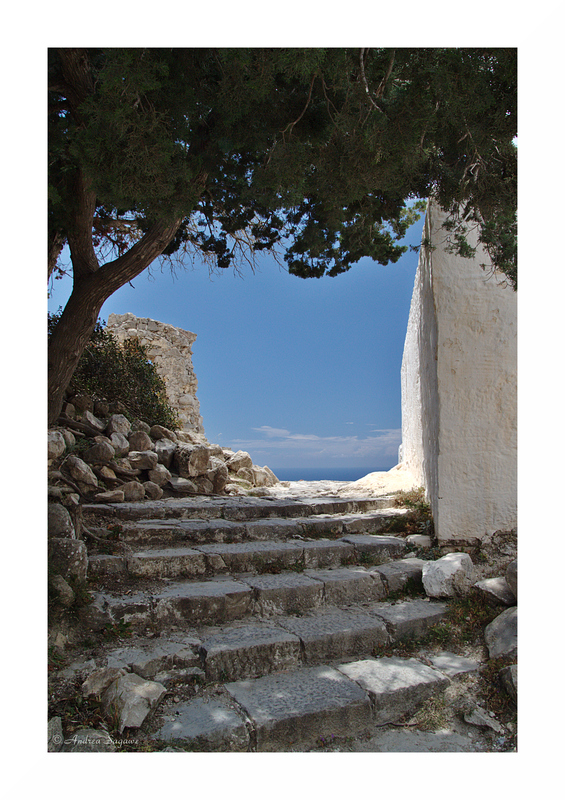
(325, 473)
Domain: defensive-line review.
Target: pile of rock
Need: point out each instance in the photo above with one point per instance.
(116, 460)
(453, 575)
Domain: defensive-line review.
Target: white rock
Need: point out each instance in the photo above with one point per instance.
(501, 635)
(152, 490)
(119, 443)
(59, 522)
(93, 421)
(159, 475)
(56, 444)
(263, 476)
(98, 681)
(143, 459)
(118, 424)
(165, 450)
(239, 460)
(133, 491)
(450, 576)
(81, 473)
(192, 460)
(132, 698)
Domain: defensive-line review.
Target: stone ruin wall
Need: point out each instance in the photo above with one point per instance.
(459, 391)
(169, 349)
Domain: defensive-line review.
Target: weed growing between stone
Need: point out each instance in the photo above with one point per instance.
(419, 517)
(433, 714)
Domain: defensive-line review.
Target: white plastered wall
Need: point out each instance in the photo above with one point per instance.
(459, 390)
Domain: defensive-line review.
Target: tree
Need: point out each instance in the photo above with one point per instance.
(231, 151)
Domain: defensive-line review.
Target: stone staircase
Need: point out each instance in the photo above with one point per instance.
(265, 619)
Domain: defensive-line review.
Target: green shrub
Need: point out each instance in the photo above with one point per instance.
(114, 372)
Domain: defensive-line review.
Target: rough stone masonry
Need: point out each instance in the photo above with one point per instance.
(169, 349)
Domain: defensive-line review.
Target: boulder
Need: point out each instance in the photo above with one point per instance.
(59, 522)
(56, 444)
(191, 437)
(69, 437)
(245, 474)
(191, 460)
(99, 453)
(120, 444)
(99, 680)
(152, 490)
(204, 485)
(118, 424)
(482, 719)
(496, 590)
(263, 476)
(217, 474)
(165, 450)
(159, 475)
(111, 496)
(509, 679)
(69, 410)
(160, 432)
(182, 485)
(140, 425)
(133, 491)
(501, 635)
(139, 440)
(131, 698)
(450, 576)
(512, 577)
(69, 558)
(239, 460)
(81, 473)
(60, 590)
(145, 459)
(107, 474)
(90, 419)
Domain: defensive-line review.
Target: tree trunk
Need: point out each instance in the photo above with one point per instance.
(90, 290)
(66, 345)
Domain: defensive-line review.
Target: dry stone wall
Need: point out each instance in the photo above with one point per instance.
(170, 350)
(459, 390)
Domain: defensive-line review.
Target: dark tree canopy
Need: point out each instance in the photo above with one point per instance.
(316, 151)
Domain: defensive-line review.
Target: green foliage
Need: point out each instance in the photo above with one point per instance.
(115, 372)
(318, 150)
(419, 517)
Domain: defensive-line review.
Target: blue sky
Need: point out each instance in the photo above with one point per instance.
(299, 373)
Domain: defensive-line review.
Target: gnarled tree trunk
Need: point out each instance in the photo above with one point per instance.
(92, 287)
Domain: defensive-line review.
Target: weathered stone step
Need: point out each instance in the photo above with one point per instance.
(221, 600)
(200, 531)
(295, 711)
(247, 649)
(231, 508)
(253, 556)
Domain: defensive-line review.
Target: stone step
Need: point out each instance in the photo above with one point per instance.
(254, 556)
(223, 599)
(251, 649)
(206, 531)
(300, 709)
(231, 508)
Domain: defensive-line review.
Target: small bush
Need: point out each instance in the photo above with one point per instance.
(116, 372)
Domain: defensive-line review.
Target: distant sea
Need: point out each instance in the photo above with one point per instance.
(324, 473)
